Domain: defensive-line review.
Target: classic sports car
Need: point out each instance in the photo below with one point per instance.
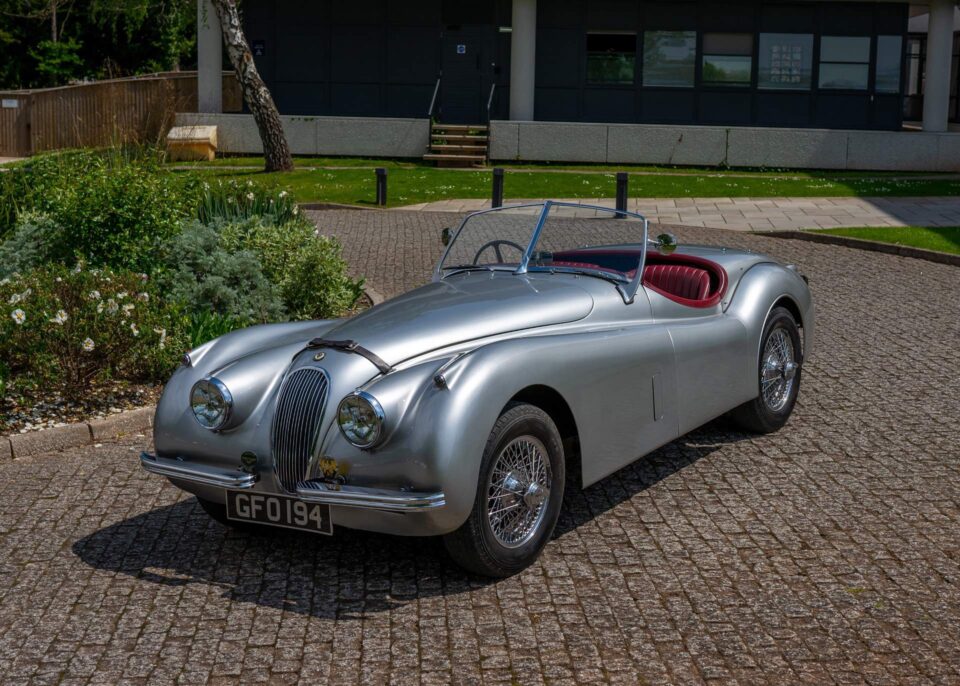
(554, 341)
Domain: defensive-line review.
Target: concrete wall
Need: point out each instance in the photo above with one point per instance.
(731, 146)
(352, 136)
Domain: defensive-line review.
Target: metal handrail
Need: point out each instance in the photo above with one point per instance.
(433, 100)
(493, 88)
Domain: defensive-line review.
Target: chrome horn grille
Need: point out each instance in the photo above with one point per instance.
(295, 424)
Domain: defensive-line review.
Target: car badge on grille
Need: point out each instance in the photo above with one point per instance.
(319, 357)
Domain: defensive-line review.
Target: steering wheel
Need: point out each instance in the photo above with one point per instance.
(496, 249)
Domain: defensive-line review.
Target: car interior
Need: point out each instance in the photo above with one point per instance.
(685, 279)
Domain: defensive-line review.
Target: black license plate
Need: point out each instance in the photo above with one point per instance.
(279, 510)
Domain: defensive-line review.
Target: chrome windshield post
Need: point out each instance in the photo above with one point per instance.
(525, 262)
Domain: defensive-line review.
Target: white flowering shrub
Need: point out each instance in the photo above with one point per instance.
(65, 329)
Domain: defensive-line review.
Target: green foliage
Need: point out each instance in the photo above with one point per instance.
(57, 62)
(32, 244)
(205, 326)
(308, 269)
(63, 329)
(207, 278)
(236, 201)
(96, 39)
(112, 209)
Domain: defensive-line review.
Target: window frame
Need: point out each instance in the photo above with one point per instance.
(702, 55)
(637, 62)
(870, 64)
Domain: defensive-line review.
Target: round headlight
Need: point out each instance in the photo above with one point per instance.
(211, 403)
(360, 419)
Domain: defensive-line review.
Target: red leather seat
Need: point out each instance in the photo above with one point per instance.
(692, 283)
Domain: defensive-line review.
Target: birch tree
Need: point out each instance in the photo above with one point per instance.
(276, 151)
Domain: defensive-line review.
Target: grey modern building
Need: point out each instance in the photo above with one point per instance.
(557, 67)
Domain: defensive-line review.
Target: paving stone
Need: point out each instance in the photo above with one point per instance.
(826, 552)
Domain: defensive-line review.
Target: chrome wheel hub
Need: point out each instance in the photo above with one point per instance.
(778, 371)
(518, 491)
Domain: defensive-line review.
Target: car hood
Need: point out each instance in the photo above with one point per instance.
(461, 308)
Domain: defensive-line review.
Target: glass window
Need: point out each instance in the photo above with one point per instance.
(786, 61)
(669, 58)
(889, 51)
(727, 59)
(611, 58)
(844, 62)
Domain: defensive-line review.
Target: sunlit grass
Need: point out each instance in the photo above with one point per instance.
(418, 184)
(939, 238)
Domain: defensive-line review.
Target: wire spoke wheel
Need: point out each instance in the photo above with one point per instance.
(778, 371)
(518, 491)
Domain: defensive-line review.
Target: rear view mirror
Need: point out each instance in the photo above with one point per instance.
(446, 236)
(666, 244)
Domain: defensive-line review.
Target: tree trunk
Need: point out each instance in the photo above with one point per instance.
(276, 151)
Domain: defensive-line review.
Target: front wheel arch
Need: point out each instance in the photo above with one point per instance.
(555, 405)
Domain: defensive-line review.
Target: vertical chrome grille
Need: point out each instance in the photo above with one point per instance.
(295, 423)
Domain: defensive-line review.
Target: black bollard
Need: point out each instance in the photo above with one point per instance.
(381, 186)
(622, 181)
(497, 200)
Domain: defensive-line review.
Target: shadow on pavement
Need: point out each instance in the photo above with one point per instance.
(353, 573)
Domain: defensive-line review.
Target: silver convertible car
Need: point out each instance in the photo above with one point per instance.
(555, 341)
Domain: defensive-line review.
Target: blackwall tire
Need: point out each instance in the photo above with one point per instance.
(778, 376)
(519, 495)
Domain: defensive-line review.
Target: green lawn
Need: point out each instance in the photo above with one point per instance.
(410, 183)
(939, 238)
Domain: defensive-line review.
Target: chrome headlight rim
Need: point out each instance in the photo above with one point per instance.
(226, 398)
(379, 415)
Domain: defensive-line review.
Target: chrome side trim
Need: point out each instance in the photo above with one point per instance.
(369, 498)
(208, 476)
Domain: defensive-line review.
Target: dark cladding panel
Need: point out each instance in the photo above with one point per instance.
(356, 100)
(668, 107)
(458, 12)
(841, 111)
(892, 18)
(301, 58)
(727, 17)
(725, 108)
(609, 105)
(847, 19)
(413, 55)
(362, 12)
(357, 54)
(295, 97)
(414, 12)
(888, 112)
(788, 18)
(557, 104)
(783, 109)
(560, 53)
(560, 14)
(612, 15)
(408, 101)
(669, 16)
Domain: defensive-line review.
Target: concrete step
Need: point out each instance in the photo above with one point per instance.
(441, 147)
(459, 138)
(460, 127)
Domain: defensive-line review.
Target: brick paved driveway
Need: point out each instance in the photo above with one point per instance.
(829, 552)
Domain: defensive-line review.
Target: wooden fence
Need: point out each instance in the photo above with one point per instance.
(100, 114)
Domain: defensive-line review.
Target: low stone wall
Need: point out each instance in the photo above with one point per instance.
(730, 146)
(350, 136)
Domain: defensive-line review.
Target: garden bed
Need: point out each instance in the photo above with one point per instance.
(46, 411)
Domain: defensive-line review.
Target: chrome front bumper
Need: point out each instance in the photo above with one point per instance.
(310, 491)
(208, 476)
